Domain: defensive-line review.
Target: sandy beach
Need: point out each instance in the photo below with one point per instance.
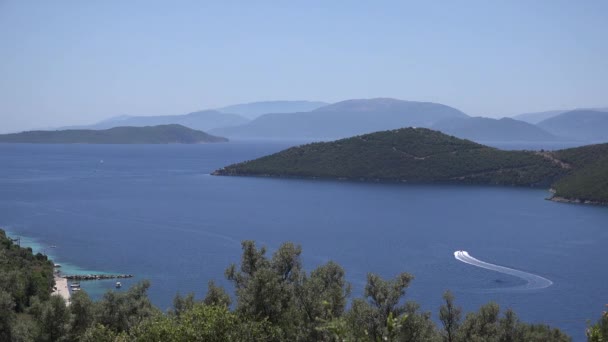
(62, 288)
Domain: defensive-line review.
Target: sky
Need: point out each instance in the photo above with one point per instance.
(78, 62)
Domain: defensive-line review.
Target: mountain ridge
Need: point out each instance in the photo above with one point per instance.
(581, 124)
(204, 120)
(343, 119)
(489, 129)
(253, 110)
(536, 117)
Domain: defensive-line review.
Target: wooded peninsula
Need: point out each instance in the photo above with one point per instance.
(420, 155)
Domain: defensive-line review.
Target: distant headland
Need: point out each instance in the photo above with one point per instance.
(161, 134)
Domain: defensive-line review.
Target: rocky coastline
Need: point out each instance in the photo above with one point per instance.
(561, 199)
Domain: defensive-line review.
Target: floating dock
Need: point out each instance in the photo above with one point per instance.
(96, 276)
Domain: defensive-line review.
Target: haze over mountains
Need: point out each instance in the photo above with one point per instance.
(343, 119)
(487, 129)
(585, 125)
(203, 120)
(314, 120)
(536, 117)
(254, 109)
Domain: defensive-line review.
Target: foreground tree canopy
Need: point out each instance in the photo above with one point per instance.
(276, 300)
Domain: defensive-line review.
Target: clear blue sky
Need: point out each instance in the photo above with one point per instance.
(71, 62)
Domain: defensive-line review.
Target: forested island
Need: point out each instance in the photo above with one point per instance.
(161, 134)
(420, 155)
(276, 300)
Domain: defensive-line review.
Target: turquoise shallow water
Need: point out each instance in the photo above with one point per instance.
(155, 212)
(94, 288)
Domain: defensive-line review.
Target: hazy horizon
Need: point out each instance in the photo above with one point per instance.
(70, 63)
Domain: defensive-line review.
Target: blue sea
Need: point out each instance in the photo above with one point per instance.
(155, 212)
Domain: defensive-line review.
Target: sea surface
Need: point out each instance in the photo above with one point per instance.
(155, 212)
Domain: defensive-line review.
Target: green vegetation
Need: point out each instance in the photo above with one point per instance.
(162, 134)
(420, 155)
(22, 274)
(589, 181)
(407, 155)
(25, 279)
(276, 300)
(599, 331)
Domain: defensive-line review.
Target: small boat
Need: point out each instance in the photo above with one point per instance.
(56, 265)
(118, 285)
(75, 285)
(74, 289)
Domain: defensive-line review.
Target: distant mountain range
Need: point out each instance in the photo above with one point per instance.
(163, 134)
(494, 130)
(343, 119)
(584, 125)
(537, 117)
(203, 120)
(314, 120)
(254, 109)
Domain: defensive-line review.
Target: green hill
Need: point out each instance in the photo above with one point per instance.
(406, 155)
(589, 180)
(419, 155)
(162, 134)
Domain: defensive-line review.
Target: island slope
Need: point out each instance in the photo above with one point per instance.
(162, 134)
(588, 181)
(406, 155)
(421, 155)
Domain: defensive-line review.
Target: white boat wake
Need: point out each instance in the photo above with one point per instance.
(533, 281)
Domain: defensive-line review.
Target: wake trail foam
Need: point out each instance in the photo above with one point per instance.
(533, 281)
